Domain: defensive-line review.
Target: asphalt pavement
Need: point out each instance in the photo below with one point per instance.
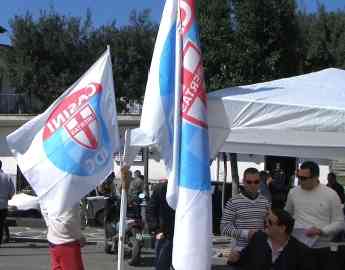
(28, 249)
(35, 256)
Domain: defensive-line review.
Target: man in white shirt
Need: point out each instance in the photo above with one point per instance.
(317, 213)
(65, 239)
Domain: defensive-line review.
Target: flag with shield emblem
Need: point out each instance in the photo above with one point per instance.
(66, 151)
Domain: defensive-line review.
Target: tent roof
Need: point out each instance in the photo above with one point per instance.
(302, 116)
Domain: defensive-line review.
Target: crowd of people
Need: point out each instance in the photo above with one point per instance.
(293, 232)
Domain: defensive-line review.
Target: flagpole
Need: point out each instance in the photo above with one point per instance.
(177, 102)
(123, 213)
(123, 208)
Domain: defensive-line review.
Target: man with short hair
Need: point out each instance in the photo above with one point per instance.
(6, 192)
(274, 249)
(161, 221)
(333, 184)
(317, 213)
(245, 213)
(136, 186)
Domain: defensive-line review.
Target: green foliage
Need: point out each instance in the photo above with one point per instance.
(52, 52)
(266, 39)
(216, 36)
(323, 39)
(247, 41)
(133, 52)
(243, 41)
(48, 54)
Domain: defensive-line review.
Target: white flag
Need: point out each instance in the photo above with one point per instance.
(67, 151)
(174, 117)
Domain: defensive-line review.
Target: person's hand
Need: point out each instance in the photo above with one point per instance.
(269, 180)
(251, 233)
(160, 236)
(313, 231)
(233, 257)
(82, 241)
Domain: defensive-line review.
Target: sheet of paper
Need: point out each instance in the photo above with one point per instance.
(299, 234)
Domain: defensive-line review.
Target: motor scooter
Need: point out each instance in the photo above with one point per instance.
(134, 226)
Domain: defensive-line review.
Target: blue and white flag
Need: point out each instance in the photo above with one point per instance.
(175, 118)
(67, 151)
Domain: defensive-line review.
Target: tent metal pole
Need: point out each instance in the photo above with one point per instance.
(146, 171)
(146, 189)
(234, 173)
(224, 180)
(218, 167)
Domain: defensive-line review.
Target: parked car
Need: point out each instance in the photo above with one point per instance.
(24, 205)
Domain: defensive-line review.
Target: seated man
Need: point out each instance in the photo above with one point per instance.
(275, 248)
(245, 213)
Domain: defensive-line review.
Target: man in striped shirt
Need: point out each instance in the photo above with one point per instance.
(245, 213)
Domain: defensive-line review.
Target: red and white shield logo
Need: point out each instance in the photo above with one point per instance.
(82, 127)
(194, 99)
(76, 116)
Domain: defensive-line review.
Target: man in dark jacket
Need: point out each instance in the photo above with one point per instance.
(161, 219)
(333, 184)
(275, 248)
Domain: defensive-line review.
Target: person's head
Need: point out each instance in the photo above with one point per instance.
(264, 176)
(331, 178)
(251, 180)
(308, 175)
(137, 173)
(163, 180)
(279, 223)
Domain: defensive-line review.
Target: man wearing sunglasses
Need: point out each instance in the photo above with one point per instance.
(245, 213)
(275, 248)
(317, 213)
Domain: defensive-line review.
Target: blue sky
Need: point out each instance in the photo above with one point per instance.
(105, 11)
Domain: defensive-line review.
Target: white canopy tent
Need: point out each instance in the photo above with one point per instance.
(302, 116)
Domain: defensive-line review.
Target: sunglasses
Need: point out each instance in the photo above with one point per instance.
(303, 178)
(256, 182)
(270, 222)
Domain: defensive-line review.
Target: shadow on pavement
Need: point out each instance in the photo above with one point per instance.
(147, 262)
(220, 267)
(28, 245)
(24, 254)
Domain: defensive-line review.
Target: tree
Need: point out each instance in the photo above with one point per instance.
(52, 52)
(266, 42)
(48, 54)
(318, 53)
(216, 36)
(131, 48)
(323, 39)
(133, 53)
